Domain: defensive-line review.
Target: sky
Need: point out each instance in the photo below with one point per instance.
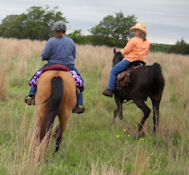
(167, 21)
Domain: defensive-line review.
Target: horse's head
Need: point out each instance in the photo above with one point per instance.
(117, 57)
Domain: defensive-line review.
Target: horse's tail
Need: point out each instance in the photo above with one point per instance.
(158, 80)
(55, 99)
(53, 103)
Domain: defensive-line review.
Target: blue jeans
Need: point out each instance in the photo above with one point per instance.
(33, 90)
(80, 95)
(119, 67)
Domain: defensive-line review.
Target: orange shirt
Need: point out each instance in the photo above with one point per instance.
(136, 49)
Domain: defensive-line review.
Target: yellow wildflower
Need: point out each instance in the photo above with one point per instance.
(118, 136)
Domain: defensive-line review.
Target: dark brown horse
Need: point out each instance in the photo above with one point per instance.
(145, 81)
(56, 95)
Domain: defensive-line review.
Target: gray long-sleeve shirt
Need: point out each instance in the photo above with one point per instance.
(60, 51)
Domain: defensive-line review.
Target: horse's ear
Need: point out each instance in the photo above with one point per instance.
(114, 50)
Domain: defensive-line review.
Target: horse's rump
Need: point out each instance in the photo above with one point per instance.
(44, 85)
(158, 80)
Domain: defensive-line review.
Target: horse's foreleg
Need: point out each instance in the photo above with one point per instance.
(146, 112)
(121, 114)
(115, 113)
(118, 110)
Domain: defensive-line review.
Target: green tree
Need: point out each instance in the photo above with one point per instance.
(113, 31)
(181, 47)
(78, 37)
(10, 26)
(35, 23)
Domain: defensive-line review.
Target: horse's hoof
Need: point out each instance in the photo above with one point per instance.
(56, 149)
(54, 135)
(122, 124)
(141, 134)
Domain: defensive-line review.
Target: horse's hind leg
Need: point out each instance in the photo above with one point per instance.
(156, 116)
(146, 111)
(155, 104)
(45, 123)
(63, 121)
(58, 136)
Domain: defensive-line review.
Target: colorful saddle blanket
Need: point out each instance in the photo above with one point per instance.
(34, 79)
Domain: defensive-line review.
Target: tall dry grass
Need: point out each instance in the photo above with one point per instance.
(28, 154)
(21, 58)
(3, 84)
(15, 58)
(104, 170)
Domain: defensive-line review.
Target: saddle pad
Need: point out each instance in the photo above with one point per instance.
(56, 67)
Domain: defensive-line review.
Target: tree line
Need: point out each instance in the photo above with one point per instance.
(36, 24)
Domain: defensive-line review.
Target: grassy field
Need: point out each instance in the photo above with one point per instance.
(91, 145)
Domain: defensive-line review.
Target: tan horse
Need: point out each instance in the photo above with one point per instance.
(56, 95)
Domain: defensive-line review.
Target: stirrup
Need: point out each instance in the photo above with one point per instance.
(78, 109)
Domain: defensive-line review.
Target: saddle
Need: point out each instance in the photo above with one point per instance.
(124, 78)
(60, 67)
